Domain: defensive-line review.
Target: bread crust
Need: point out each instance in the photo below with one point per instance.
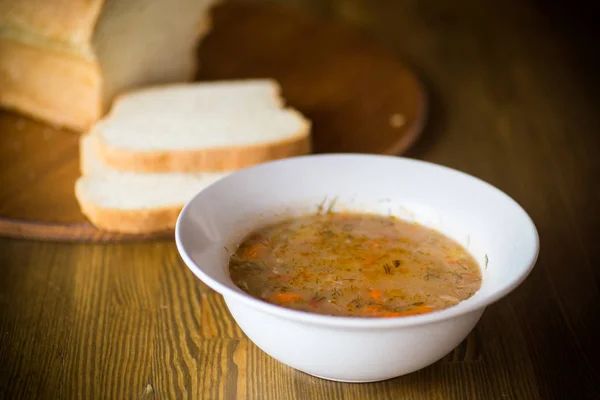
(128, 221)
(208, 159)
(69, 21)
(52, 85)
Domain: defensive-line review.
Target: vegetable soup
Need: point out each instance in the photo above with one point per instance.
(354, 264)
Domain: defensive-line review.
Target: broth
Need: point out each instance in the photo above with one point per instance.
(354, 264)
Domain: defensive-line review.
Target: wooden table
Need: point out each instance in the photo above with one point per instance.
(514, 101)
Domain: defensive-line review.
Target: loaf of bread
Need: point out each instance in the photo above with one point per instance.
(178, 139)
(64, 61)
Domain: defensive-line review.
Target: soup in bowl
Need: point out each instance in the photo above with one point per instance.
(354, 264)
(356, 268)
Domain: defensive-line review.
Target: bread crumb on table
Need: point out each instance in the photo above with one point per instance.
(397, 120)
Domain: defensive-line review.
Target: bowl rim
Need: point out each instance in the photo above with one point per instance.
(467, 306)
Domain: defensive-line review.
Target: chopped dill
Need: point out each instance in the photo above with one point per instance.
(321, 206)
(331, 205)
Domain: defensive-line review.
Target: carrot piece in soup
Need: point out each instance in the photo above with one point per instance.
(376, 294)
(286, 298)
(374, 309)
(416, 311)
(391, 314)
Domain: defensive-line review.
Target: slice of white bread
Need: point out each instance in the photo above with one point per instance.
(207, 126)
(64, 61)
(129, 202)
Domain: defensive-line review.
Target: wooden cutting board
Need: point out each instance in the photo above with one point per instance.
(358, 95)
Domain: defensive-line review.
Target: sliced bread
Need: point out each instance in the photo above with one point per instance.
(208, 126)
(130, 202)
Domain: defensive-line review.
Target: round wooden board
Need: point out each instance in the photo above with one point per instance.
(358, 95)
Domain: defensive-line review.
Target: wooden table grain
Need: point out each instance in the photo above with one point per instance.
(514, 101)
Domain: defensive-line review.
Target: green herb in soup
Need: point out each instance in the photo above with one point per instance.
(351, 264)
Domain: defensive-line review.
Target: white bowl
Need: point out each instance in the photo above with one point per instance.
(494, 228)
